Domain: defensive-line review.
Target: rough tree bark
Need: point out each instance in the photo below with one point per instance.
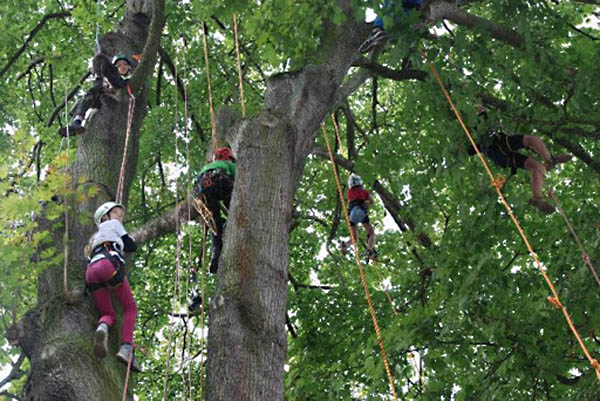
(56, 336)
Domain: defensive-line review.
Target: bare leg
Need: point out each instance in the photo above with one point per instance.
(537, 176)
(371, 236)
(538, 146)
(537, 180)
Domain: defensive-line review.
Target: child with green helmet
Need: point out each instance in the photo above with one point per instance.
(113, 74)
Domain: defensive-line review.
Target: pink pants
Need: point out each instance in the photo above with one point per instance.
(102, 271)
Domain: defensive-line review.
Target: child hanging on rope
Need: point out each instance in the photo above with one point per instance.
(105, 273)
(502, 149)
(378, 35)
(213, 185)
(115, 75)
(359, 201)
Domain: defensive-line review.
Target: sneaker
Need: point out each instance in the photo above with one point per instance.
(562, 158)
(101, 340)
(377, 37)
(125, 352)
(75, 128)
(542, 205)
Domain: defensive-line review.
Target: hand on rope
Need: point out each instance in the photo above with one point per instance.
(499, 181)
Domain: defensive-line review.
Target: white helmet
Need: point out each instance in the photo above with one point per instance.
(355, 181)
(104, 209)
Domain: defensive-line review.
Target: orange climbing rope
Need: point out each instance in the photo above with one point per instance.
(584, 254)
(210, 99)
(239, 65)
(375, 268)
(554, 299)
(362, 271)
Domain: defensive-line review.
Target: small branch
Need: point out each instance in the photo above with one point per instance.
(69, 96)
(32, 64)
(30, 37)
(290, 326)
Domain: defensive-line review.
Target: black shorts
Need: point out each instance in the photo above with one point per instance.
(503, 151)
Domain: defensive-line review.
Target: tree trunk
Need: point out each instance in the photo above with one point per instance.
(57, 336)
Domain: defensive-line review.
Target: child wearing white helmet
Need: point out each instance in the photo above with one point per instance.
(104, 273)
(359, 201)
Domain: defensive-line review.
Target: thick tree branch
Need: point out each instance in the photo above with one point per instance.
(164, 224)
(389, 73)
(580, 152)
(442, 10)
(30, 37)
(148, 61)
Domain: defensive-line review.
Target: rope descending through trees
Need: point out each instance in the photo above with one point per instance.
(375, 268)
(554, 299)
(584, 254)
(120, 185)
(362, 271)
(239, 65)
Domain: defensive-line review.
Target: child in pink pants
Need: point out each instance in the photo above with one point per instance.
(104, 273)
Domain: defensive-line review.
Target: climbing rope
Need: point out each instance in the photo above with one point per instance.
(213, 129)
(239, 65)
(67, 294)
(554, 299)
(119, 197)
(177, 257)
(584, 254)
(362, 272)
(379, 276)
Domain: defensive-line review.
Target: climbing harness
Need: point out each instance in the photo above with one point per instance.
(584, 254)
(362, 272)
(554, 299)
(239, 65)
(108, 251)
(119, 197)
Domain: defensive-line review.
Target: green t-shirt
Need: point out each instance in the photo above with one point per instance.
(227, 166)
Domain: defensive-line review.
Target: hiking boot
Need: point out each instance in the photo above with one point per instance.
(125, 352)
(562, 158)
(542, 205)
(75, 128)
(377, 37)
(101, 340)
(196, 303)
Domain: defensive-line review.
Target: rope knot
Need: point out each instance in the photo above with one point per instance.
(499, 181)
(554, 301)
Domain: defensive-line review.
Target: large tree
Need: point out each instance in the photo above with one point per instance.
(471, 318)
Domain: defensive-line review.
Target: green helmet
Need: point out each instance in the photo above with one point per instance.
(121, 56)
(104, 209)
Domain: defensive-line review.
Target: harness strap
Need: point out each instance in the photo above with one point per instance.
(104, 252)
